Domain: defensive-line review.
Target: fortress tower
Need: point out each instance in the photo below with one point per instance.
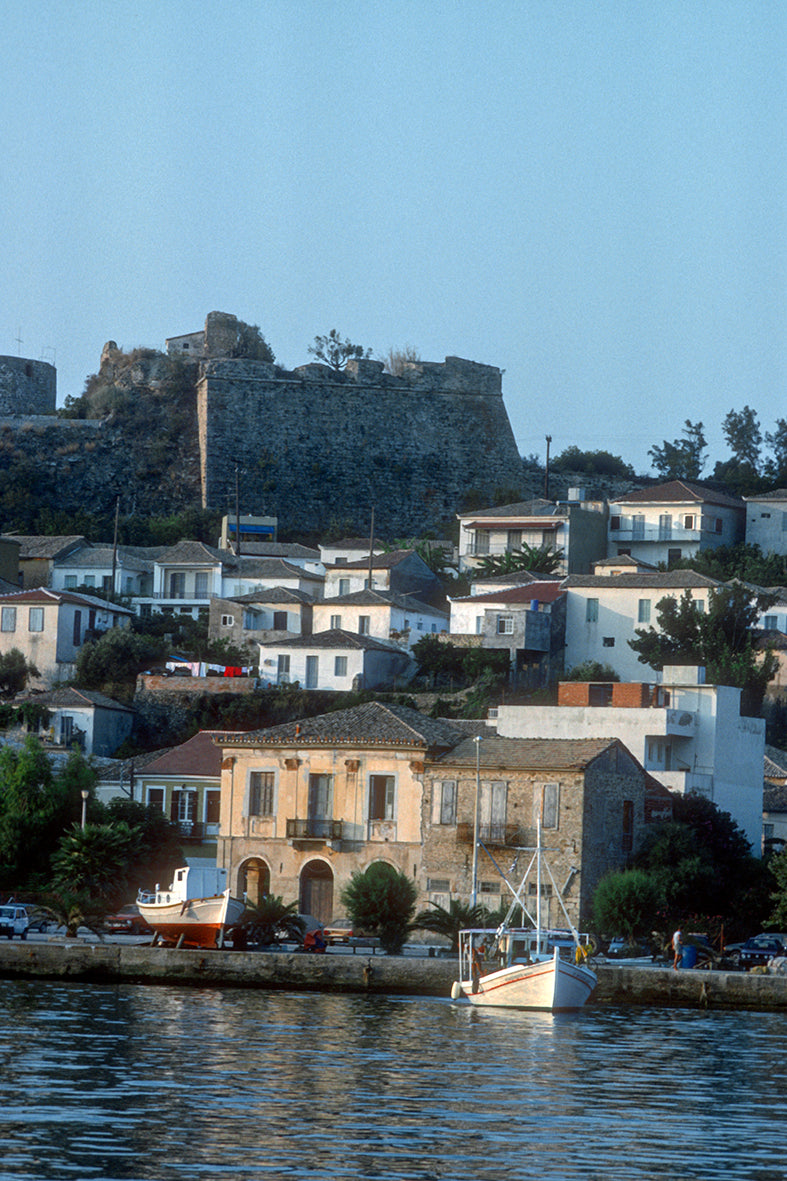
(27, 387)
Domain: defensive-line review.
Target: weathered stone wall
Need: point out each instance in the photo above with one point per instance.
(27, 387)
(314, 444)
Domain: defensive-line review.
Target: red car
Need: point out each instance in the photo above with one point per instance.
(127, 921)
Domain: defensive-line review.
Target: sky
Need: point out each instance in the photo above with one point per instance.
(590, 196)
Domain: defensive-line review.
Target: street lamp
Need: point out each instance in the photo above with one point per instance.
(85, 794)
(474, 891)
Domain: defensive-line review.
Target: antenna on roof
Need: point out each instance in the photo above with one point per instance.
(546, 470)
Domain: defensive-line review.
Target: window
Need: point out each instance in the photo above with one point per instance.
(90, 580)
(638, 527)
(627, 843)
(674, 555)
(444, 802)
(283, 669)
(643, 611)
(177, 586)
(492, 811)
(665, 526)
(479, 624)
(482, 541)
(700, 606)
(201, 584)
(183, 809)
(35, 621)
(280, 621)
(344, 586)
(764, 515)
(106, 582)
(549, 805)
(227, 620)
(381, 797)
(591, 610)
(514, 539)
(77, 637)
(363, 625)
(608, 642)
(719, 525)
(505, 625)
(212, 807)
(312, 671)
(614, 524)
(438, 885)
(156, 798)
(261, 793)
(688, 520)
(8, 619)
(336, 621)
(70, 581)
(340, 666)
(770, 623)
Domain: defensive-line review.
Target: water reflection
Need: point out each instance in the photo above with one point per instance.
(150, 1082)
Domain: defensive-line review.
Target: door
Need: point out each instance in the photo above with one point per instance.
(320, 806)
(311, 671)
(316, 894)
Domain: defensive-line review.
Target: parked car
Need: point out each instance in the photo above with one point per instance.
(758, 950)
(126, 921)
(37, 919)
(13, 921)
(620, 949)
(339, 931)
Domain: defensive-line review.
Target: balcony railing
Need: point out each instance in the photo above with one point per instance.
(314, 830)
(493, 834)
(628, 532)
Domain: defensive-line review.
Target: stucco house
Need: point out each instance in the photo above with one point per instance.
(95, 723)
(774, 801)
(577, 527)
(267, 614)
(528, 621)
(49, 627)
(766, 521)
(386, 615)
(184, 782)
(674, 520)
(334, 659)
(37, 556)
(127, 569)
(688, 735)
(403, 571)
(605, 609)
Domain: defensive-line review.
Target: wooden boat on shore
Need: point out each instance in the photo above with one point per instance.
(196, 911)
(525, 967)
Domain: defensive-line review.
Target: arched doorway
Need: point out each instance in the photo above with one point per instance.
(316, 892)
(254, 880)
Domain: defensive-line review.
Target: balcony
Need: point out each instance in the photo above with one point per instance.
(314, 830)
(672, 723)
(494, 834)
(627, 532)
(684, 782)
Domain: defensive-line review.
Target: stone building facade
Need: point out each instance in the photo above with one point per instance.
(27, 387)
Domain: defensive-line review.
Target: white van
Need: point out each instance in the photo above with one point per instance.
(13, 921)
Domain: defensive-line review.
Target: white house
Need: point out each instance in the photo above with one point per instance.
(349, 550)
(127, 569)
(689, 736)
(403, 571)
(674, 520)
(97, 724)
(385, 615)
(766, 521)
(261, 615)
(333, 659)
(578, 527)
(604, 610)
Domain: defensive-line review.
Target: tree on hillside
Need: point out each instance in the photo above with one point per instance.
(252, 344)
(776, 466)
(590, 463)
(741, 430)
(721, 639)
(591, 670)
(683, 459)
(543, 559)
(331, 350)
(744, 561)
(14, 673)
(396, 361)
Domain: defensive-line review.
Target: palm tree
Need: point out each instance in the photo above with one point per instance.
(450, 922)
(543, 559)
(271, 919)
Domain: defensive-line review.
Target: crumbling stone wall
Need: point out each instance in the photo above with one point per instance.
(314, 445)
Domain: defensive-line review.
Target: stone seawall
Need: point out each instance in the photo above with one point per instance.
(411, 975)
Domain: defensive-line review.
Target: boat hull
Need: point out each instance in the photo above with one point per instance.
(555, 985)
(197, 922)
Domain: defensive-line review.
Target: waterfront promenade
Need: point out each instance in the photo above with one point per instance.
(414, 975)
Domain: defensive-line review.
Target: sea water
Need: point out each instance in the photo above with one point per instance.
(128, 1081)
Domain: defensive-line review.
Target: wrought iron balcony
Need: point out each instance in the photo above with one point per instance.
(314, 830)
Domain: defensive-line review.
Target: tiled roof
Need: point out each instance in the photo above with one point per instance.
(43, 595)
(374, 724)
(542, 592)
(199, 756)
(101, 556)
(664, 580)
(68, 698)
(31, 546)
(381, 598)
(774, 798)
(530, 753)
(379, 561)
(624, 560)
(517, 578)
(776, 494)
(271, 594)
(192, 553)
(523, 508)
(333, 638)
(775, 762)
(679, 492)
(266, 568)
(277, 549)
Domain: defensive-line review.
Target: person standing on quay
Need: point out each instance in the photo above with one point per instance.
(677, 947)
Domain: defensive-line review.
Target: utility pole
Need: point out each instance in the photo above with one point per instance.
(371, 551)
(115, 546)
(237, 512)
(546, 470)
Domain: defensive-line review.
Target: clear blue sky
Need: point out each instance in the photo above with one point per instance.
(589, 195)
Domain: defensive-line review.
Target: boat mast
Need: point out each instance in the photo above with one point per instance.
(538, 885)
(474, 890)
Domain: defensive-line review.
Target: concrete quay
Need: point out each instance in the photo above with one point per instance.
(618, 984)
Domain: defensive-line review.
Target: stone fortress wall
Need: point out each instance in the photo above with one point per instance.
(27, 387)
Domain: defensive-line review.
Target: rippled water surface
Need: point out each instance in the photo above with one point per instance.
(151, 1082)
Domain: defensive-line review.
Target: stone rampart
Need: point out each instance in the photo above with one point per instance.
(27, 387)
(314, 445)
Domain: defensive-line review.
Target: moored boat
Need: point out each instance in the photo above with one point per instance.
(196, 911)
(522, 967)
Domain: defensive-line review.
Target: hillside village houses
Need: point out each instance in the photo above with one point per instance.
(576, 527)
(305, 804)
(674, 520)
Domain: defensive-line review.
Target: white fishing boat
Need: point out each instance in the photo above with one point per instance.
(196, 911)
(525, 967)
